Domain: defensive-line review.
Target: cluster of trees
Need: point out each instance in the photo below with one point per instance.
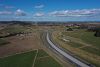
(97, 33)
(96, 30)
(69, 29)
(9, 35)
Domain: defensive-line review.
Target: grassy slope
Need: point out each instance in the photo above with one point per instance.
(13, 29)
(91, 50)
(75, 45)
(86, 54)
(87, 37)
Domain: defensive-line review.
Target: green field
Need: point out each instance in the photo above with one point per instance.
(19, 60)
(84, 44)
(27, 59)
(86, 36)
(13, 29)
(75, 45)
(47, 62)
(91, 50)
(44, 60)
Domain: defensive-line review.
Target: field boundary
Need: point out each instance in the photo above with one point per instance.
(35, 58)
(43, 57)
(21, 52)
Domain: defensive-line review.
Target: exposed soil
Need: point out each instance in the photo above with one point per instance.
(20, 43)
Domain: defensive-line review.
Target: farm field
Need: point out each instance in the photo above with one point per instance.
(19, 42)
(49, 33)
(86, 36)
(78, 42)
(44, 60)
(18, 60)
(93, 43)
(36, 58)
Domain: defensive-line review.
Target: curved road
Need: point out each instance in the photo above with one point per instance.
(71, 58)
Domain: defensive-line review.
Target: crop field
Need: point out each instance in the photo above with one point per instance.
(19, 60)
(36, 58)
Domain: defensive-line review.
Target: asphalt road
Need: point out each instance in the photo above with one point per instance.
(66, 55)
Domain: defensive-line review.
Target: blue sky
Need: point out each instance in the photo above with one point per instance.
(50, 10)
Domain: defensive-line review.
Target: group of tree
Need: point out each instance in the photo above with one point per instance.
(97, 33)
(96, 30)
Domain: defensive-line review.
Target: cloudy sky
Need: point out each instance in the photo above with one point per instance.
(50, 10)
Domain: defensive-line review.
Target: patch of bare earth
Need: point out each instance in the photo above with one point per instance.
(20, 44)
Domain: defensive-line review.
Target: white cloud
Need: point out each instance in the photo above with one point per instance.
(39, 14)
(20, 12)
(9, 7)
(75, 13)
(5, 13)
(39, 6)
(6, 6)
